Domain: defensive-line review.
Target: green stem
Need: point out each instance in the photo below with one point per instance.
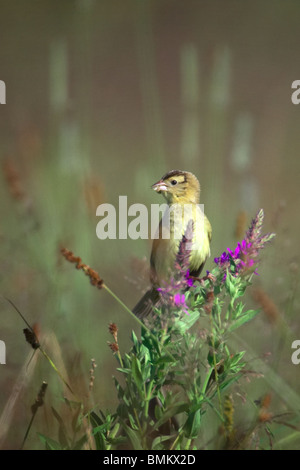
(136, 318)
(56, 370)
(176, 440)
(138, 421)
(148, 398)
(125, 307)
(215, 364)
(188, 443)
(120, 358)
(214, 409)
(113, 434)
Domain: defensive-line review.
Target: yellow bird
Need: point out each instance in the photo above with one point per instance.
(181, 190)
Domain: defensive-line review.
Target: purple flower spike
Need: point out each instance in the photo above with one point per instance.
(189, 280)
(172, 292)
(179, 301)
(245, 255)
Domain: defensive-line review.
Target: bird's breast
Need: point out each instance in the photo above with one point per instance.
(174, 224)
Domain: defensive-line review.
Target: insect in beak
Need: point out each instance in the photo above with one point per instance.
(159, 186)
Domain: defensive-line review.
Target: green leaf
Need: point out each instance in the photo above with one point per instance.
(102, 428)
(243, 319)
(169, 413)
(117, 441)
(241, 289)
(99, 441)
(165, 359)
(236, 358)
(238, 310)
(137, 373)
(229, 382)
(186, 322)
(134, 339)
(157, 443)
(95, 419)
(132, 421)
(230, 285)
(123, 370)
(50, 443)
(98, 426)
(192, 424)
(133, 436)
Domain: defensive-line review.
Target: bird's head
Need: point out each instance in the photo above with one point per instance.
(180, 187)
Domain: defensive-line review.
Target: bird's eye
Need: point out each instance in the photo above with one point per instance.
(173, 182)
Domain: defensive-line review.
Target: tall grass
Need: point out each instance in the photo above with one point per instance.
(182, 372)
(80, 148)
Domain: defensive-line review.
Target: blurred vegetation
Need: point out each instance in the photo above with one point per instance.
(102, 99)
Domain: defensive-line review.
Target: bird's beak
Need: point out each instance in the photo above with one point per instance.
(159, 186)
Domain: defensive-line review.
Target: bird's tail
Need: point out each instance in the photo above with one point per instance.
(145, 306)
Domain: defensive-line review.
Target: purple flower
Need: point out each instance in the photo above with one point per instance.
(172, 293)
(189, 280)
(241, 258)
(245, 255)
(224, 258)
(179, 301)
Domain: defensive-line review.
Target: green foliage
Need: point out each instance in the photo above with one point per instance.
(68, 439)
(178, 369)
(181, 367)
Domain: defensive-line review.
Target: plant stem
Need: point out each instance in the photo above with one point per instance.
(57, 371)
(215, 364)
(187, 445)
(120, 302)
(175, 441)
(148, 398)
(125, 307)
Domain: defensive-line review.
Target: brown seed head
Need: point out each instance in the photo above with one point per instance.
(94, 277)
(113, 329)
(114, 347)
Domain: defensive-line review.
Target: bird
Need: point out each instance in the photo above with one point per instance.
(181, 189)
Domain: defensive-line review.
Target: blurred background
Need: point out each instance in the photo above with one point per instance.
(102, 98)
